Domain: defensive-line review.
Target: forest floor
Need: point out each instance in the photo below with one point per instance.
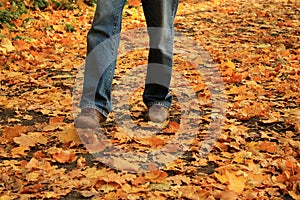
(242, 144)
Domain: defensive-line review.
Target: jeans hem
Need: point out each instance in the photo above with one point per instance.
(100, 110)
(160, 103)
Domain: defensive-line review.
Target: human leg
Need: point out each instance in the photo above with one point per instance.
(102, 45)
(159, 16)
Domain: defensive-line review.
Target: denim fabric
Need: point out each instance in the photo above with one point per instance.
(102, 48)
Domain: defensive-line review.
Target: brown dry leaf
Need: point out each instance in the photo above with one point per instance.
(234, 183)
(180, 179)
(152, 141)
(31, 139)
(94, 173)
(64, 156)
(51, 127)
(3, 99)
(39, 154)
(31, 189)
(228, 63)
(123, 164)
(132, 189)
(69, 134)
(113, 178)
(36, 164)
(33, 163)
(241, 156)
(139, 181)
(193, 192)
(19, 151)
(108, 187)
(156, 142)
(32, 176)
(294, 194)
(257, 179)
(229, 195)
(173, 127)
(56, 120)
(122, 136)
(9, 133)
(156, 176)
(7, 197)
(98, 146)
(269, 147)
(6, 46)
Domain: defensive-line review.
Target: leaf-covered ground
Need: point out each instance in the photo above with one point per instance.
(254, 44)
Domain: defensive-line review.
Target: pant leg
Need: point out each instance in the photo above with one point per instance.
(159, 16)
(102, 47)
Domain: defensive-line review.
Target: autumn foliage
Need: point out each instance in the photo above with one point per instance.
(255, 46)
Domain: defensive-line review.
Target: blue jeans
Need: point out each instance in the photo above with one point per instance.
(102, 48)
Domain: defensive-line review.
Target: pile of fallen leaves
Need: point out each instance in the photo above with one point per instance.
(255, 45)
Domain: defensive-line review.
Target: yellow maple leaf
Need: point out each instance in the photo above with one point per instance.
(6, 46)
(236, 183)
(222, 178)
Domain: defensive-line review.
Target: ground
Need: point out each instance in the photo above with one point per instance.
(234, 124)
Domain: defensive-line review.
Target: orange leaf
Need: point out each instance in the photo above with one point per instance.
(156, 176)
(173, 127)
(139, 181)
(155, 141)
(228, 72)
(134, 3)
(64, 156)
(236, 77)
(269, 147)
(10, 133)
(55, 120)
(22, 150)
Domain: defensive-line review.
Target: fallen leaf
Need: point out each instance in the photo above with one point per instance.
(173, 127)
(97, 146)
(155, 141)
(269, 147)
(229, 195)
(64, 156)
(31, 139)
(222, 178)
(236, 183)
(6, 46)
(56, 120)
(19, 151)
(134, 3)
(156, 176)
(139, 181)
(10, 133)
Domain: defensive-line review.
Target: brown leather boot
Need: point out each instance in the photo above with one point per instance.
(89, 118)
(157, 113)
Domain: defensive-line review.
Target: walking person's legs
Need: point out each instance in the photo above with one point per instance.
(102, 47)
